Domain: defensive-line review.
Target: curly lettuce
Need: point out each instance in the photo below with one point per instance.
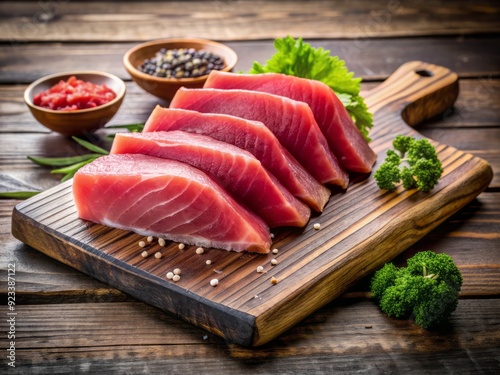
(298, 58)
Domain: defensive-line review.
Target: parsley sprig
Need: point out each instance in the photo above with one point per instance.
(413, 162)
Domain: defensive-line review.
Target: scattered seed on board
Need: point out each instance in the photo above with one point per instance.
(200, 250)
(177, 271)
(144, 254)
(181, 246)
(176, 277)
(170, 275)
(274, 280)
(157, 255)
(272, 235)
(214, 282)
(161, 242)
(274, 262)
(149, 239)
(142, 244)
(208, 262)
(260, 269)
(275, 251)
(317, 226)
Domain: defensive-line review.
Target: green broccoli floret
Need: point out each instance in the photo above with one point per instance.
(438, 266)
(417, 165)
(399, 300)
(427, 288)
(438, 305)
(384, 278)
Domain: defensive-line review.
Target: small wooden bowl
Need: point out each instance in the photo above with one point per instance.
(80, 121)
(165, 88)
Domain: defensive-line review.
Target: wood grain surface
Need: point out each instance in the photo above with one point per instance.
(243, 20)
(166, 344)
(313, 266)
(71, 323)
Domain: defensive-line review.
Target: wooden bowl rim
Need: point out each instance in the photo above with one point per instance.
(230, 59)
(119, 95)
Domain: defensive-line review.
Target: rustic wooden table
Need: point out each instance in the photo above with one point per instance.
(67, 322)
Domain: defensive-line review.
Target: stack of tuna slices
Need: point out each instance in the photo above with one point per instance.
(227, 162)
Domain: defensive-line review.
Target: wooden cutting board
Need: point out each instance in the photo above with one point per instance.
(360, 230)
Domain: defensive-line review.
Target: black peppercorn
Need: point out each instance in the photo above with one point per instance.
(181, 63)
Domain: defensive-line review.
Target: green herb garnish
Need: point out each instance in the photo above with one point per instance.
(61, 162)
(18, 194)
(133, 128)
(300, 59)
(68, 166)
(90, 146)
(427, 289)
(414, 162)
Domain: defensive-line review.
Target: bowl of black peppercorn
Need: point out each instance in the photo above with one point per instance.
(162, 66)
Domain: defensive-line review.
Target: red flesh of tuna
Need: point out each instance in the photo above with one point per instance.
(292, 122)
(238, 171)
(344, 139)
(167, 199)
(251, 136)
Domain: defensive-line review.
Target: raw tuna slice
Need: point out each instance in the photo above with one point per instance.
(251, 136)
(292, 122)
(238, 171)
(344, 138)
(167, 199)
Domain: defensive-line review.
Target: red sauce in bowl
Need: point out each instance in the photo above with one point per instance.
(74, 94)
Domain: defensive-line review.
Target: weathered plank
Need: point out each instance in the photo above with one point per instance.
(18, 171)
(470, 237)
(240, 20)
(372, 59)
(16, 117)
(478, 105)
(84, 337)
(317, 266)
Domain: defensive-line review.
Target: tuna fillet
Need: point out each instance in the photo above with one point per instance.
(238, 171)
(251, 136)
(344, 138)
(167, 199)
(292, 122)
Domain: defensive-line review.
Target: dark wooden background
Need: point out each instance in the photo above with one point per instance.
(70, 323)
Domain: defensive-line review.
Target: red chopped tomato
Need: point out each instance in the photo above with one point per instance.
(74, 94)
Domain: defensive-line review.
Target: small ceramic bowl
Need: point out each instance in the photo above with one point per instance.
(165, 88)
(80, 121)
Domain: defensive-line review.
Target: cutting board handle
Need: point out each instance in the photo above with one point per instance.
(416, 91)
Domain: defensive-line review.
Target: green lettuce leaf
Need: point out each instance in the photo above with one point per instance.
(297, 58)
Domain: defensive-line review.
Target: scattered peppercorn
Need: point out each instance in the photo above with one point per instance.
(142, 244)
(214, 282)
(150, 239)
(260, 269)
(208, 262)
(274, 262)
(275, 251)
(200, 250)
(157, 255)
(170, 275)
(176, 277)
(274, 280)
(177, 271)
(181, 63)
(181, 246)
(144, 254)
(317, 226)
(161, 242)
